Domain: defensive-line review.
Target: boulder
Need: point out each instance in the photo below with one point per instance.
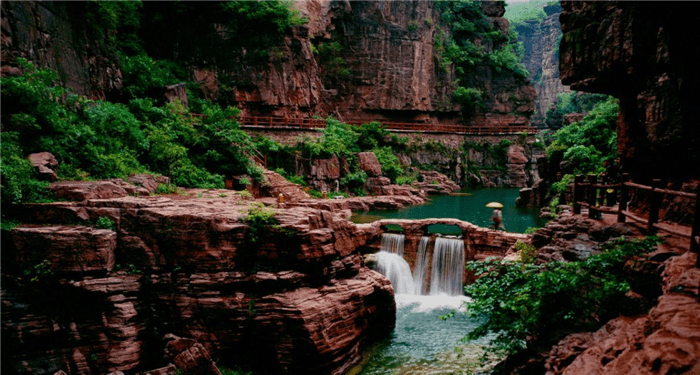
(189, 356)
(44, 162)
(276, 185)
(435, 183)
(369, 163)
(147, 181)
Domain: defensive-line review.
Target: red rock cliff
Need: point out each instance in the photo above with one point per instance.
(298, 300)
(388, 54)
(645, 54)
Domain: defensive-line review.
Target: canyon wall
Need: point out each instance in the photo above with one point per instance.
(472, 160)
(386, 66)
(541, 58)
(56, 35)
(645, 54)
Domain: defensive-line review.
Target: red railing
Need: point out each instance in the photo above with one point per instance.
(273, 122)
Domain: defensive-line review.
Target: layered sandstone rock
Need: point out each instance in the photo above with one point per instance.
(275, 186)
(387, 48)
(293, 298)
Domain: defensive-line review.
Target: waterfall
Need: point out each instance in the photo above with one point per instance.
(397, 271)
(447, 273)
(421, 270)
(392, 243)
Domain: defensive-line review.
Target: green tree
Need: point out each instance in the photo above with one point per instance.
(525, 304)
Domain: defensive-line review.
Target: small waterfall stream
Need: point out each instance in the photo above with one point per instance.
(447, 275)
(392, 243)
(447, 270)
(397, 271)
(421, 270)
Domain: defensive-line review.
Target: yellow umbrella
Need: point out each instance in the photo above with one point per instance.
(494, 205)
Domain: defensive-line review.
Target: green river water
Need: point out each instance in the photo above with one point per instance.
(466, 205)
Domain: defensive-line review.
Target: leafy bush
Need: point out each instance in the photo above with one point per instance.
(39, 272)
(391, 166)
(355, 180)
(142, 73)
(468, 97)
(104, 222)
(505, 60)
(528, 253)
(521, 302)
(584, 145)
(571, 102)
(258, 217)
(96, 139)
(19, 180)
(334, 68)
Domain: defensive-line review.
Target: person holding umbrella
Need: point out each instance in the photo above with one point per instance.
(497, 217)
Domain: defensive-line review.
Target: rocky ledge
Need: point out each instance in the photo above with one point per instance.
(666, 340)
(284, 298)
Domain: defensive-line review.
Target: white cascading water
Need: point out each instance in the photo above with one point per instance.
(421, 270)
(397, 271)
(392, 243)
(391, 264)
(447, 273)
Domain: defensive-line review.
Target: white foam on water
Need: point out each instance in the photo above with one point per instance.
(432, 302)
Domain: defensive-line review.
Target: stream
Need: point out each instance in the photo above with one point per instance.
(422, 343)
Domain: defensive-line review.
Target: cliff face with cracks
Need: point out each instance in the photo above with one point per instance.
(388, 56)
(645, 54)
(541, 58)
(297, 299)
(54, 35)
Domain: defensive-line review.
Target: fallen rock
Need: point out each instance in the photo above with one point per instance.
(147, 181)
(45, 162)
(189, 356)
(369, 163)
(277, 185)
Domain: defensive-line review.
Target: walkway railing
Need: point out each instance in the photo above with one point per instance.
(274, 122)
(603, 197)
(284, 123)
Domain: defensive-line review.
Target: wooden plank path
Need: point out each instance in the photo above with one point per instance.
(613, 199)
(283, 123)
